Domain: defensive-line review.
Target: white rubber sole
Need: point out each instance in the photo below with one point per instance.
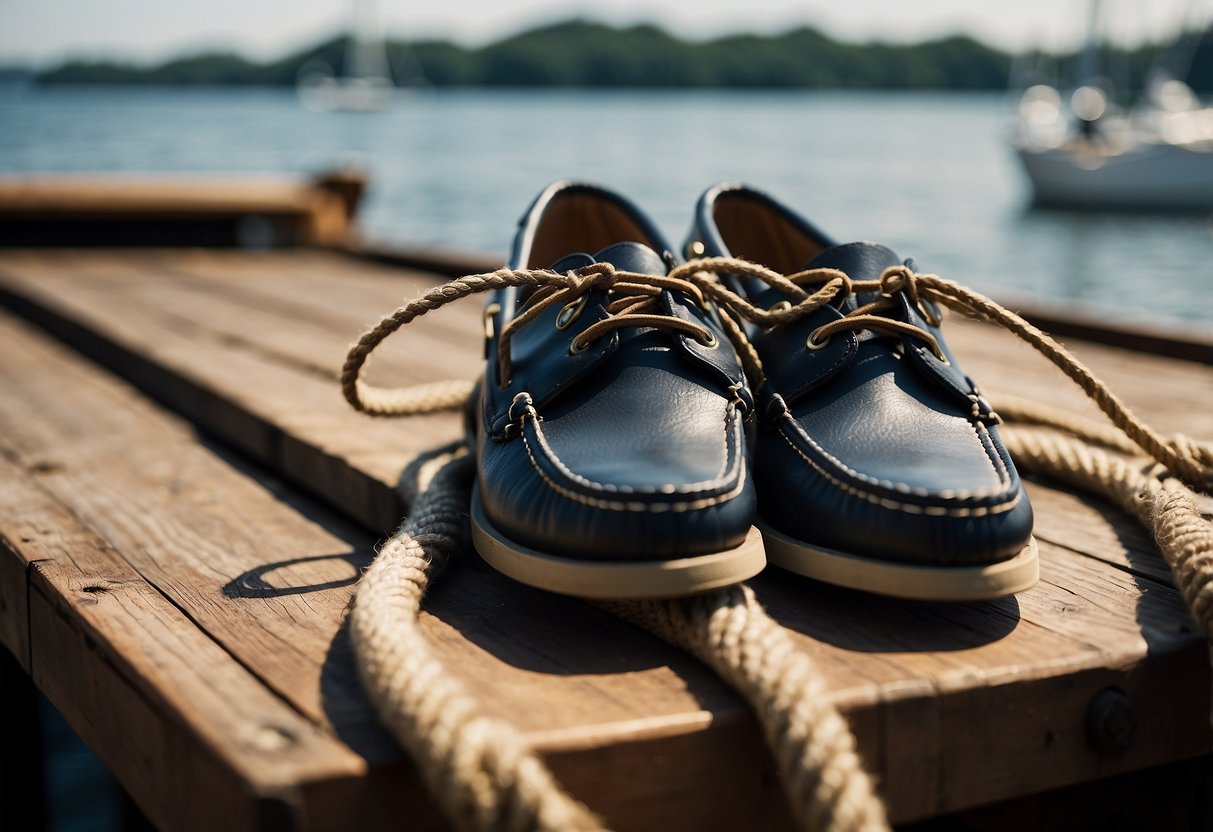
(606, 579)
(901, 580)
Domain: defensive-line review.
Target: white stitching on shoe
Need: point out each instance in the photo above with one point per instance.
(885, 502)
(987, 442)
(729, 453)
(615, 505)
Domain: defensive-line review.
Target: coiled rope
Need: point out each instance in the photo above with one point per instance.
(480, 769)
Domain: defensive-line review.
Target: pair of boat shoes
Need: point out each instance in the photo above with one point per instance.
(651, 428)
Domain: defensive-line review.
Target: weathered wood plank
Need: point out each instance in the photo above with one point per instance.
(209, 537)
(266, 410)
(911, 676)
(268, 577)
(151, 692)
(61, 209)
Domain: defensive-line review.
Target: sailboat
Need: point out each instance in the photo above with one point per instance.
(1080, 152)
(366, 83)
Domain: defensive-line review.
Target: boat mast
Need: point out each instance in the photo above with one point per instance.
(365, 50)
(1089, 60)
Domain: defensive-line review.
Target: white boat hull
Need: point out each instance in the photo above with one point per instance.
(1154, 177)
(354, 95)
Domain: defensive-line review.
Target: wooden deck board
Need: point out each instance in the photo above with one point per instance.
(98, 209)
(267, 576)
(147, 688)
(242, 344)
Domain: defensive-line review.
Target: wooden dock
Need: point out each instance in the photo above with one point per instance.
(188, 502)
(250, 211)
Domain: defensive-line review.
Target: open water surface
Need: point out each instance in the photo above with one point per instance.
(931, 175)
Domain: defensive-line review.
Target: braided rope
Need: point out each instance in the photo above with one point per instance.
(478, 768)
(551, 288)
(814, 748)
(481, 770)
(387, 402)
(431, 397)
(1166, 507)
(1031, 412)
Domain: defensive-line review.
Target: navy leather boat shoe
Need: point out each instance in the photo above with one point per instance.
(612, 458)
(877, 460)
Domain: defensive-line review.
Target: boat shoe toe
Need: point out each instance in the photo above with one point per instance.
(611, 452)
(878, 461)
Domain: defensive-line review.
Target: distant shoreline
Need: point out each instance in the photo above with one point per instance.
(581, 92)
(579, 54)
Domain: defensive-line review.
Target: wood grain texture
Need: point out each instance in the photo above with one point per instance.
(268, 575)
(953, 705)
(151, 692)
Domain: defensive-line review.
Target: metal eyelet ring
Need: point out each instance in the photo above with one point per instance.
(943, 359)
(711, 342)
(813, 344)
(780, 306)
(490, 312)
(576, 350)
(570, 312)
(932, 317)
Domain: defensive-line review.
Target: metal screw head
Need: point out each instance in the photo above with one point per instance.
(1112, 722)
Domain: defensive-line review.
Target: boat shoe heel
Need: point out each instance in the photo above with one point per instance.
(611, 455)
(877, 460)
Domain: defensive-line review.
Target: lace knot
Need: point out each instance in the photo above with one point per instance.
(593, 276)
(896, 279)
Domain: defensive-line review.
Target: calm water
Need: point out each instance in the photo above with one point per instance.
(929, 175)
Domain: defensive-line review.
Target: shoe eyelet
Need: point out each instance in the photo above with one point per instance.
(775, 309)
(694, 249)
(570, 312)
(711, 342)
(490, 312)
(576, 350)
(813, 344)
(932, 317)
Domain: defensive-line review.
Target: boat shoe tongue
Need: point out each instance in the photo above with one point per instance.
(632, 257)
(546, 365)
(861, 261)
(794, 369)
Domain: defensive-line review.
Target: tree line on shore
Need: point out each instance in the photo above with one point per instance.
(586, 54)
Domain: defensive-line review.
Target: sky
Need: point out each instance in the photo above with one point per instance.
(46, 31)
